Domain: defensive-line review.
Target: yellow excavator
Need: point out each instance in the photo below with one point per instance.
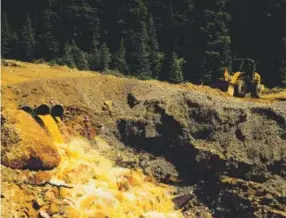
(243, 80)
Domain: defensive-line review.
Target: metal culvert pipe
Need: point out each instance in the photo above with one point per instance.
(42, 110)
(27, 109)
(40, 121)
(57, 111)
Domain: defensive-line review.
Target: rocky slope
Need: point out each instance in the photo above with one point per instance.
(228, 155)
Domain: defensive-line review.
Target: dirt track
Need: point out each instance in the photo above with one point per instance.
(230, 153)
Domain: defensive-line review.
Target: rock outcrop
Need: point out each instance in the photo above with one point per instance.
(25, 144)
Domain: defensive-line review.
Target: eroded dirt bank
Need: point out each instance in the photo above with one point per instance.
(227, 155)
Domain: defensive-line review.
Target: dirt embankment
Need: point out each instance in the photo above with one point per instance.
(229, 154)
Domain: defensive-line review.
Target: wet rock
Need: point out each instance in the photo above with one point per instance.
(38, 203)
(54, 208)
(21, 214)
(42, 177)
(132, 100)
(49, 195)
(63, 192)
(26, 145)
(43, 214)
(161, 170)
(181, 201)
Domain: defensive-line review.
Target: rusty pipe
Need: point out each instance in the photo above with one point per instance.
(27, 109)
(57, 111)
(42, 110)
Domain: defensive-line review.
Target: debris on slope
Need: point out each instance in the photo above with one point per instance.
(85, 184)
(227, 153)
(206, 139)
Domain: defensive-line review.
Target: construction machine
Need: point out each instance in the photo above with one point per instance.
(242, 80)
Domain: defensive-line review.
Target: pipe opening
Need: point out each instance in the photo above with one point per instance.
(27, 109)
(43, 110)
(40, 121)
(57, 111)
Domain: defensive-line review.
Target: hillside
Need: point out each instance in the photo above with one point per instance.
(187, 39)
(226, 154)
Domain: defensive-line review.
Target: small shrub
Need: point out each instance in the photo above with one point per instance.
(113, 73)
(52, 63)
(5, 63)
(39, 61)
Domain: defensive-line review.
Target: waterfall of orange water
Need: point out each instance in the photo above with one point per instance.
(52, 128)
(58, 119)
(101, 189)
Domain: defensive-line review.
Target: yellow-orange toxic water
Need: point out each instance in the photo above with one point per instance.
(52, 128)
(58, 119)
(100, 189)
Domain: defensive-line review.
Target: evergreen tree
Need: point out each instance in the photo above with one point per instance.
(154, 58)
(192, 40)
(169, 40)
(105, 57)
(282, 45)
(94, 55)
(136, 34)
(257, 32)
(6, 36)
(197, 30)
(28, 39)
(79, 21)
(282, 74)
(82, 61)
(79, 57)
(173, 66)
(119, 59)
(141, 64)
(217, 46)
(67, 57)
(15, 47)
(47, 45)
(282, 61)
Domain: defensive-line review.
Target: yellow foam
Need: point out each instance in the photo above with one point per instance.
(101, 189)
